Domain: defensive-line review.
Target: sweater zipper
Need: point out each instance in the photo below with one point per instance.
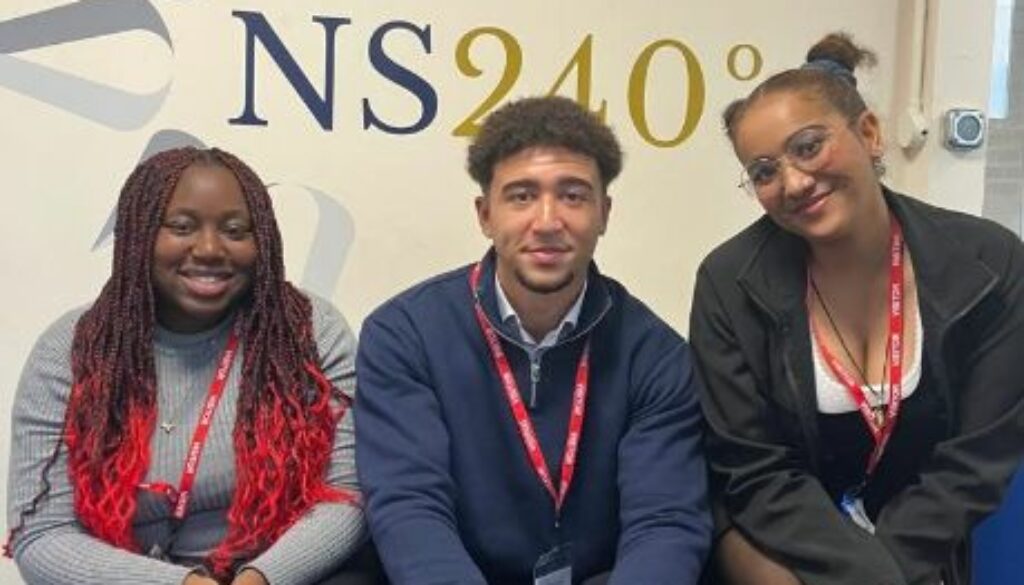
(535, 360)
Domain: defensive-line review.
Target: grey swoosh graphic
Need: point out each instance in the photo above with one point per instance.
(335, 232)
(162, 140)
(112, 107)
(78, 21)
(332, 238)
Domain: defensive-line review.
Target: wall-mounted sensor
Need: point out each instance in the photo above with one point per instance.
(964, 128)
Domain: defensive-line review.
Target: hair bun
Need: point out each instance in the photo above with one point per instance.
(837, 52)
(833, 68)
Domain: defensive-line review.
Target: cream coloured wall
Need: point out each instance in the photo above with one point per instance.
(404, 202)
(957, 71)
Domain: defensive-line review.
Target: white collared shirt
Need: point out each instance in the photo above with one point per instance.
(551, 338)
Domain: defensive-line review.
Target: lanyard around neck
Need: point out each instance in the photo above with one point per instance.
(179, 496)
(881, 430)
(523, 423)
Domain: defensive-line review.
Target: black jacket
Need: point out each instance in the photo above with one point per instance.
(749, 330)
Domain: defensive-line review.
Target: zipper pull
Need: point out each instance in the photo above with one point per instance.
(534, 378)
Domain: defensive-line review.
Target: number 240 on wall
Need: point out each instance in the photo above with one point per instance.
(582, 63)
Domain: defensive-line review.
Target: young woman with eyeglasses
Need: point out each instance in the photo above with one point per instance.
(862, 352)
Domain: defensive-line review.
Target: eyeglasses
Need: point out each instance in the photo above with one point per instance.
(808, 151)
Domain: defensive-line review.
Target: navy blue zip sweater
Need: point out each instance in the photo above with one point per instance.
(451, 496)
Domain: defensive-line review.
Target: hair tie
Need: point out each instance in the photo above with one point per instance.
(832, 67)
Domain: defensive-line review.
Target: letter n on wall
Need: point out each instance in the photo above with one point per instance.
(320, 104)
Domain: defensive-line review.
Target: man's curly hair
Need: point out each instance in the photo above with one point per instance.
(551, 121)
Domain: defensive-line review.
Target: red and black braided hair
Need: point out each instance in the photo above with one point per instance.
(286, 411)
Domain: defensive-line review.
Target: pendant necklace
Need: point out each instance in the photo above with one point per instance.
(878, 409)
(168, 424)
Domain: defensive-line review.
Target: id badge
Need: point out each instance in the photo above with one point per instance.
(853, 506)
(554, 567)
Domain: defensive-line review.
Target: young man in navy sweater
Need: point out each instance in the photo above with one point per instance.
(524, 419)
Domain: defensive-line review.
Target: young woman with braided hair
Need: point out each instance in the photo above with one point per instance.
(861, 352)
(191, 426)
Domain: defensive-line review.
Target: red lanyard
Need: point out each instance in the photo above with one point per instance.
(179, 496)
(880, 431)
(522, 418)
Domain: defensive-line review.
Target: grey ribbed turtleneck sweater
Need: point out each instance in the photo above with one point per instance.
(52, 548)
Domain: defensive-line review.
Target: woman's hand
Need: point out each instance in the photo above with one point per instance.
(249, 577)
(199, 579)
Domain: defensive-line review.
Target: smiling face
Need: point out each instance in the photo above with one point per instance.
(544, 210)
(825, 178)
(205, 255)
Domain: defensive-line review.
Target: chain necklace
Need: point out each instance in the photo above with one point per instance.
(879, 408)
